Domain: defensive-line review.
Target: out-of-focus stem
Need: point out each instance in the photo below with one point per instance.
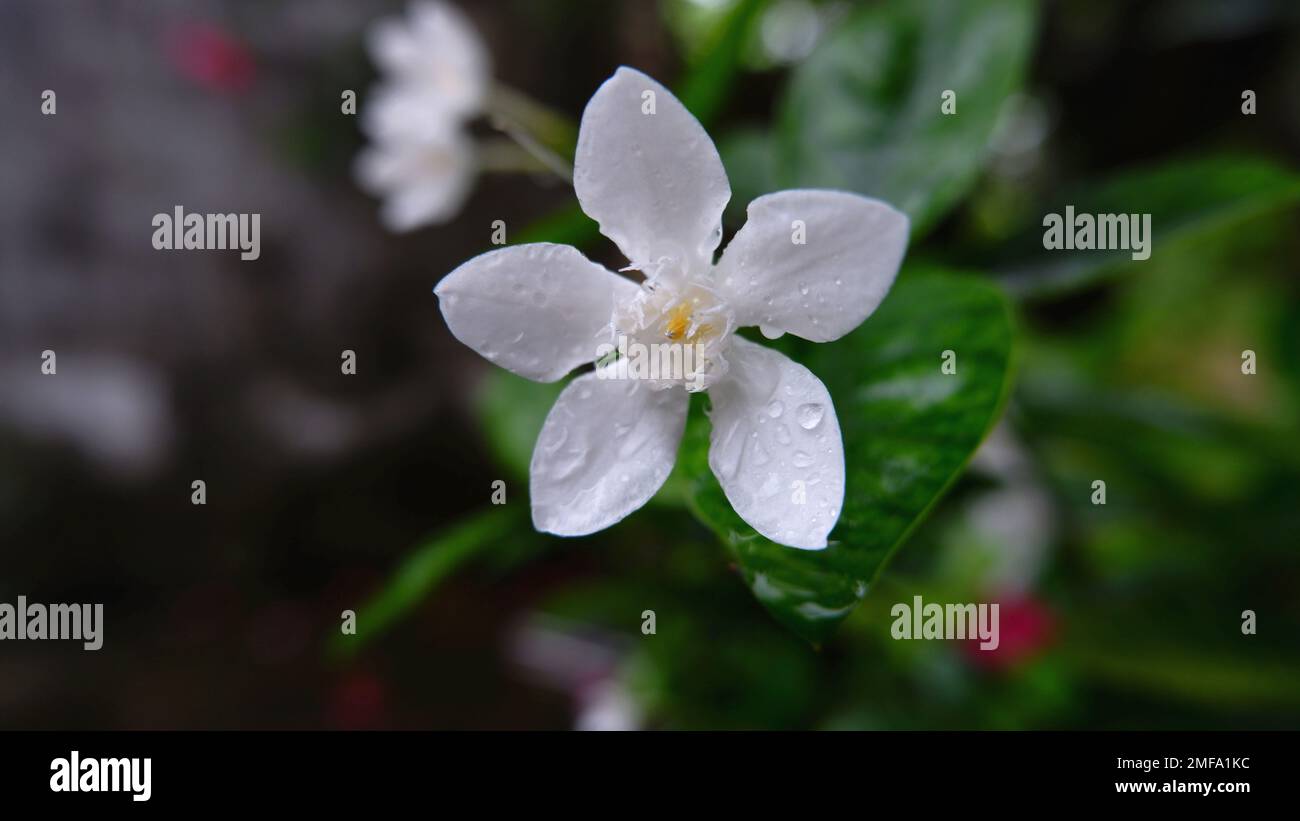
(500, 155)
(544, 133)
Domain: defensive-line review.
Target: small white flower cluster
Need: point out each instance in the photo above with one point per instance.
(435, 75)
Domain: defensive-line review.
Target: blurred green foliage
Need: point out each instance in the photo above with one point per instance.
(1125, 371)
(863, 113)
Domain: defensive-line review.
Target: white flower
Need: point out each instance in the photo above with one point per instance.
(656, 185)
(424, 178)
(436, 75)
(437, 52)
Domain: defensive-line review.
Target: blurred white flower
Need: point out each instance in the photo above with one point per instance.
(115, 411)
(608, 706)
(422, 180)
(1012, 524)
(789, 31)
(583, 661)
(436, 52)
(811, 263)
(436, 75)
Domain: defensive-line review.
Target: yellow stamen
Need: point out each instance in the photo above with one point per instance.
(679, 319)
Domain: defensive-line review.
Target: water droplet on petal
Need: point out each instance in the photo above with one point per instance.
(775, 408)
(801, 459)
(770, 332)
(782, 434)
(810, 415)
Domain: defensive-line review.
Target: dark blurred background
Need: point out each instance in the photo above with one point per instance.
(181, 366)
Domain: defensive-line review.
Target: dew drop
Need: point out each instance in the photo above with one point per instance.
(801, 459)
(770, 332)
(782, 434)
(810, 415)
(775, 408)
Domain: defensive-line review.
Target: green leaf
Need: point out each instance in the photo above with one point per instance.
(863, 112)
(747, 156)
(423, 569)
(705, 88)
(513, 410)
(1187, 199)
(908, 432)
(1164, 667)
(566, 225)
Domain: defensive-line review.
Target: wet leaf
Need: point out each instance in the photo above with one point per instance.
(908, 429)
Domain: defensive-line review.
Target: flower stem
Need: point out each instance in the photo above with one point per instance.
(498, 155)
(547, 135)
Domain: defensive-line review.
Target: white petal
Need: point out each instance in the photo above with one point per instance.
(423, 181)
(776, 441)
(394, 111)
(606, 448)
(425, 203)
(654, 182)
(539, 310)
(820, 289)
(436, 49)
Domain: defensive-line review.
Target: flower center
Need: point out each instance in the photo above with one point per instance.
(683, 327)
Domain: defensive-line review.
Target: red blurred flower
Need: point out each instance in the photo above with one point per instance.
(1025, 628)
(357, 702)
(213, 59)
